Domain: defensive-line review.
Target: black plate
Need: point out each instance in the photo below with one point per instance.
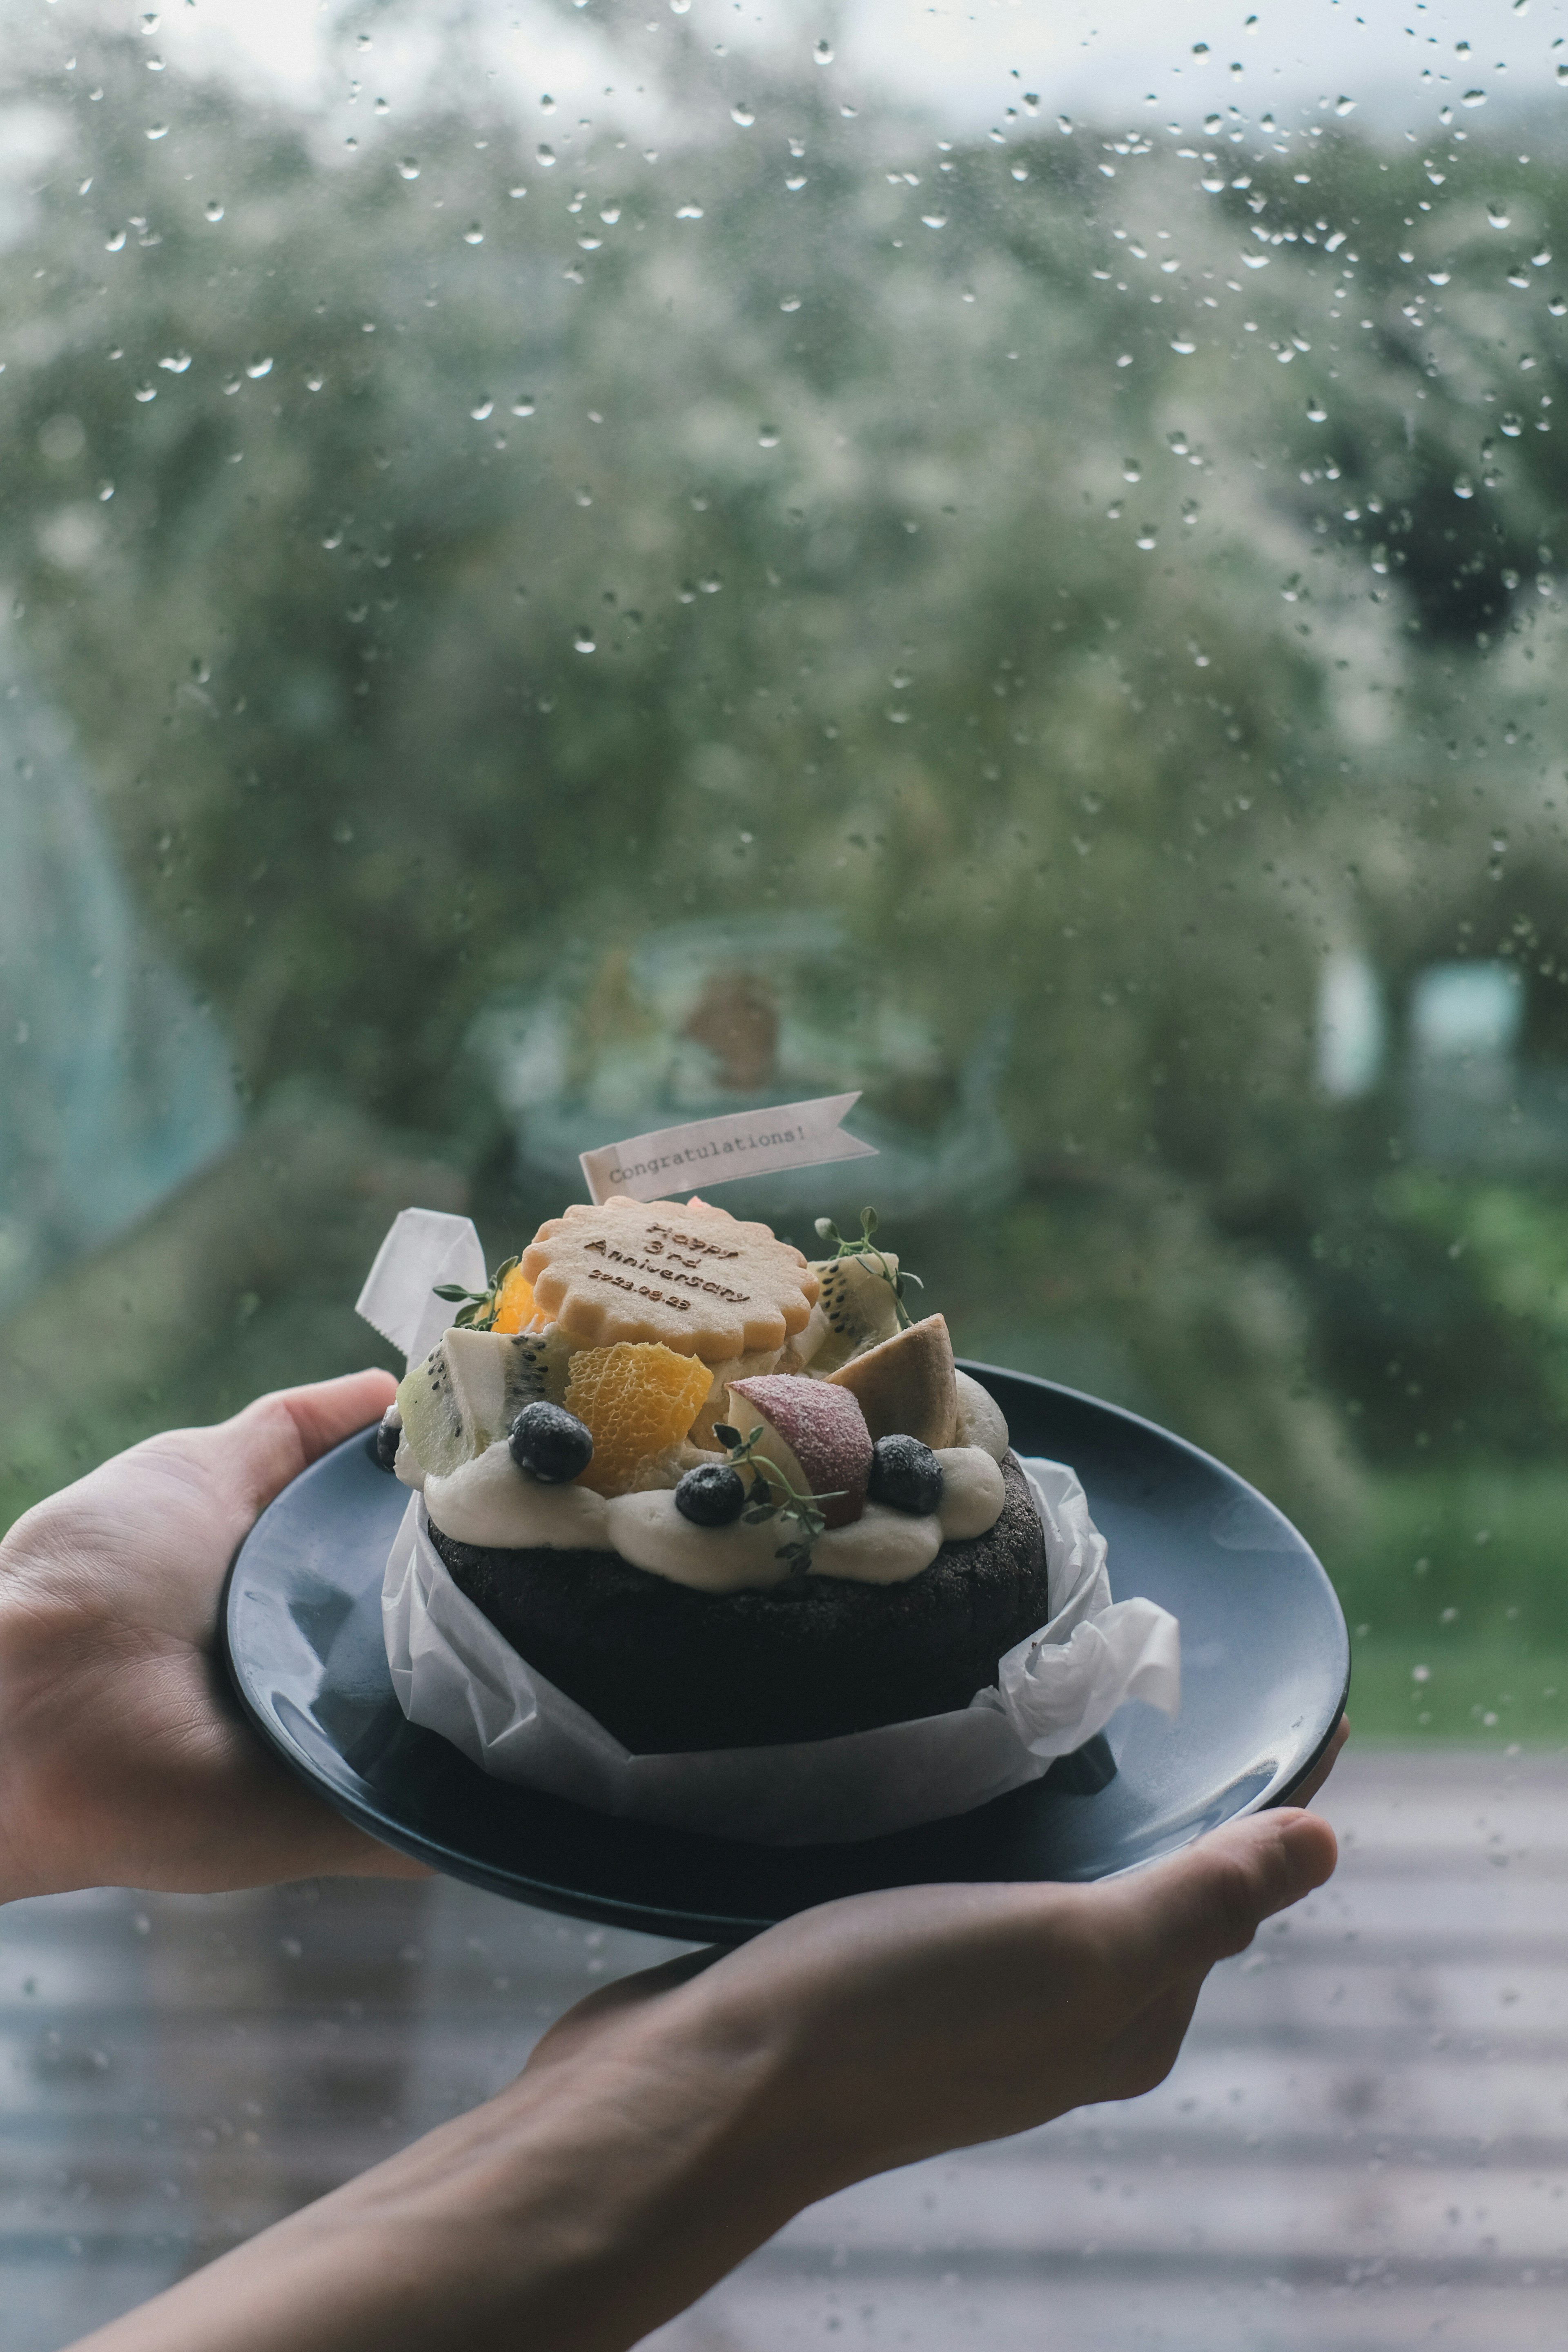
(1265, 1659)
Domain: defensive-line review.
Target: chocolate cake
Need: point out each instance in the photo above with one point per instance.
(667, 1669)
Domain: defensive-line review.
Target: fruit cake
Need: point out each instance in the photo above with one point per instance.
(719, 1495)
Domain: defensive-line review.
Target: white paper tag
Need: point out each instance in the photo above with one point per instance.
(709, 1151)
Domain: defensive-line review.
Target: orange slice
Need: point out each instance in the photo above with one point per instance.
(514, 1302)
(636, 1398)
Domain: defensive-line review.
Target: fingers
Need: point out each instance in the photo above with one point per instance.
(1324, 1765)
(1204, 1904)
(281, 1434)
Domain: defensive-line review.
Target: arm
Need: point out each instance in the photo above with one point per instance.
(123, 1757)
(669, 2126)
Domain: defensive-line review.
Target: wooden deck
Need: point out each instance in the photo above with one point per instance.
(1366, 2143)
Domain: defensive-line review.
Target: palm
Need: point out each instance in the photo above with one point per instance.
(124, 1755)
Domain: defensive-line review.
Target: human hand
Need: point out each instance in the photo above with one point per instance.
(1022, 2001)
(123, 1756)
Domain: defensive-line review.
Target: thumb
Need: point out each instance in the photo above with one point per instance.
(281, 1434)
(1207, 1904)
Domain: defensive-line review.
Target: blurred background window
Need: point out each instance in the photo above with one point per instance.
(568, 566)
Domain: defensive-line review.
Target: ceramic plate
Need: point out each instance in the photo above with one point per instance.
(1265, 1658)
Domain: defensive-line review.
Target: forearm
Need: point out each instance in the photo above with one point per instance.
(579, 2210)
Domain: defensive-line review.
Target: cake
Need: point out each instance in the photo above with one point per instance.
(718, 1495)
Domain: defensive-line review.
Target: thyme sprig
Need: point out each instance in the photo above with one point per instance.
(479, 1313)
(894, 1276)
(760, 1505)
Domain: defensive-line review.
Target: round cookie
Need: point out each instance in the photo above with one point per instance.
(668, 1669)
(697, 1279)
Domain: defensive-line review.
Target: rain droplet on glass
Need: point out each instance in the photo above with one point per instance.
(482, 409)
(789, 303)
(257, 367)
(767, 436)
(934, 220)
(584, 640)
(407, 168)
(213, 210)
(1316, 412)
(743, 114)
(546, 156)
(822, 53)
(473, 234)
(176, 363)
(523, 406)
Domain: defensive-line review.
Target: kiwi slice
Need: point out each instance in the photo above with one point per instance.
(856, 1310)
(471, 1387)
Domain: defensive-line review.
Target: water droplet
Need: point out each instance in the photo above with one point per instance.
(1557, 306)
(146, 392)
(1131, 471)
(610, 215)
(257, 367)
(1064, 124)
(585, 497)
(822, 53)
(590, 244)
(689, 211)
(158, 131)
(934, 220)
(1464, 488)
(482, 409)
(407, 168)
(381, 107)
(105, 492)
(1562, 75)
(680, 7)
(743, 114)
(523, 406)
(314, 382)
(1512, 425)
(176, 363)
(149, 24)
(584, 641)
(1124, 358)
(1212, 182)
(767, 436)
(1183, 344)
(363, 41)
(1474, 98)
(1316, 412)
(115, 244)
(213, 210)
(712, 585)
(1538, 260)
(1344, 106)
(546, 156)
(1437, 276)
(473, 234)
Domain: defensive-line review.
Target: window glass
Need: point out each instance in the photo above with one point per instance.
(564, 568)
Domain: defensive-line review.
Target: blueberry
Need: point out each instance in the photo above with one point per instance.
(551, 1443)
(905, 1474)
(388, 1438)
(713, 1496)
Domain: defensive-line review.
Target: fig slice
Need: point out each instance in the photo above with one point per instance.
(907, 1386)
(815, 1434)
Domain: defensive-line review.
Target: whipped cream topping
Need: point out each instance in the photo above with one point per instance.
(491, 1503)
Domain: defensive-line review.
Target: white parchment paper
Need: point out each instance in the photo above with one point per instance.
(454, 1674)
